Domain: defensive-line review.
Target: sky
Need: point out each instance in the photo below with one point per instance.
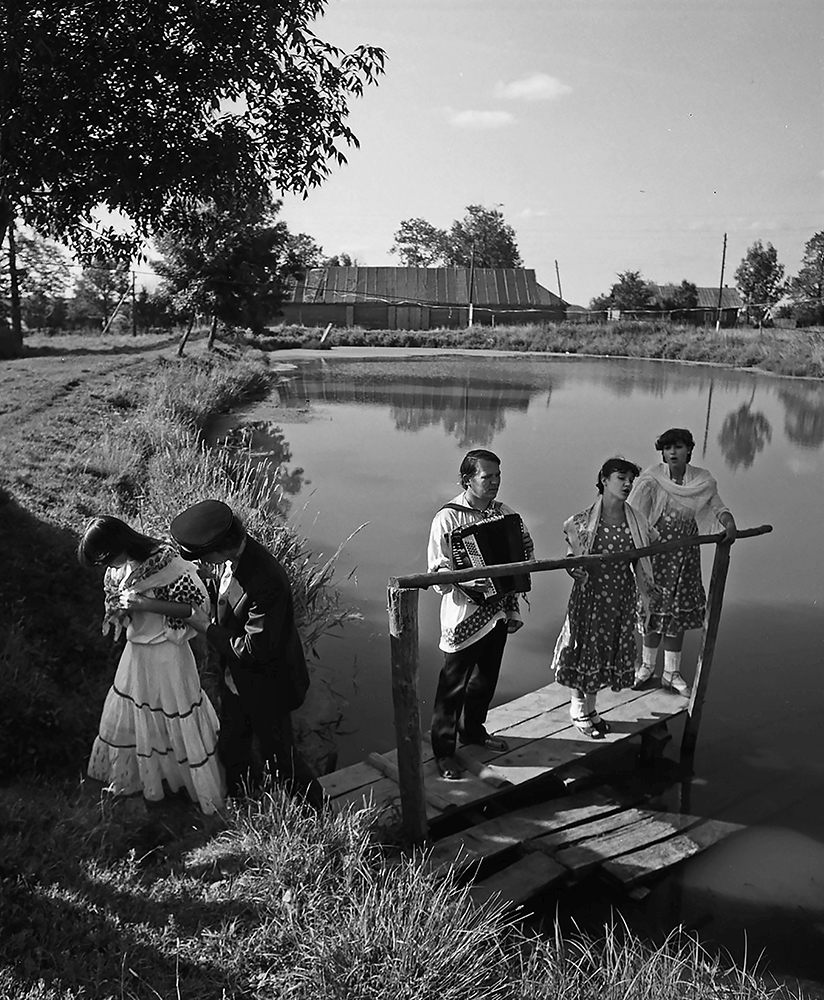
(613, 135)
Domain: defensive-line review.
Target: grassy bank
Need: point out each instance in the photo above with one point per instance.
(277, 903)
(783, 352)
(124, 439)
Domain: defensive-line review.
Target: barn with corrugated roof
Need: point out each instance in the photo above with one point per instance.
(419, 298)
(711, 307)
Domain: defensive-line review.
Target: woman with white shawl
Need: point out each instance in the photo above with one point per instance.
(679, 499)
(158, 731)
(597, 647)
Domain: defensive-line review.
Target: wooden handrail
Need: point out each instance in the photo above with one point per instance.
(422, 581)
(403, 635)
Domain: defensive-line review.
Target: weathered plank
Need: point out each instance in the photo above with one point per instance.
(522, 880)
(598, 826)
(390, 770)
(630, 869)
(500, 834)
(586, 854)
(348, 779)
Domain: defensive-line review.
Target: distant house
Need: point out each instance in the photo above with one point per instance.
(419, 298)
(708, 309)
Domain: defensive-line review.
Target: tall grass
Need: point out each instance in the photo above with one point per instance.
(278, 902)
(138, 453)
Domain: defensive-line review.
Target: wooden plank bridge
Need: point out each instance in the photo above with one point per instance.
(479, 825)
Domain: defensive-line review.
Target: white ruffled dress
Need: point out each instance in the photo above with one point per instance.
(158, 723)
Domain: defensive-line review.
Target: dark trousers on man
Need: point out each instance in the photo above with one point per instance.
(252, 716)
(467, 684)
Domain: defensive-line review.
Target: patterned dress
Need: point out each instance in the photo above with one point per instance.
(599, 647)
(682, 604)
(158, 724)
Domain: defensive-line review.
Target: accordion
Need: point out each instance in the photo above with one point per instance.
(494, 540)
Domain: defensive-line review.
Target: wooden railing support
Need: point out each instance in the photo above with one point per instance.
(403, 640)
(715, 600)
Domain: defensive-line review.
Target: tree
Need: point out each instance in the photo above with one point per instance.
(482, 239)
(43, 266)
(302, 252)
(230, 262)
(143, 107)
(630, 293)
(99, 291)
(420, 244)
(681, 302)
(760, 279)
(806, 289)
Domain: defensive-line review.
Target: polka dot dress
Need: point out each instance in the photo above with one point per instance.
(683, 602)
(602, 647)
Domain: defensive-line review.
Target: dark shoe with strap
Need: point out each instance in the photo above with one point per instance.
(488, 742)
(448, 769)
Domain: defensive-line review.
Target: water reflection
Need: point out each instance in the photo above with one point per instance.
(744, 433)
(804, 408)
(470, 409)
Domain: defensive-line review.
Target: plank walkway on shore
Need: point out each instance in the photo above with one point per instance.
(519, 853)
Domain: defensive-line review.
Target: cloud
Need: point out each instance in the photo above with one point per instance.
(533, 213)
(481, 119)
(537, 87)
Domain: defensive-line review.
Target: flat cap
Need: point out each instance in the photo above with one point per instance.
(202, 527)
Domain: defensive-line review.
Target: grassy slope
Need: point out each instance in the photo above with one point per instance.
(105, 899)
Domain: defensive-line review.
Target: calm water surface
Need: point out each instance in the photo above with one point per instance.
(379, 439)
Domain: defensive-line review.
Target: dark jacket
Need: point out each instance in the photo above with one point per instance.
(258, 637)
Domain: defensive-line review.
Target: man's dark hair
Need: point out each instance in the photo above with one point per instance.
(472, 462)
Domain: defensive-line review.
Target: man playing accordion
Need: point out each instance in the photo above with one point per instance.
(474, 529)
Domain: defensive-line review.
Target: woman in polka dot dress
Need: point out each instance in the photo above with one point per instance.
(158, 730)
(680, 500)
(597, 647)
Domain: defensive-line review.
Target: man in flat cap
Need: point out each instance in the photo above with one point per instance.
(265, 675)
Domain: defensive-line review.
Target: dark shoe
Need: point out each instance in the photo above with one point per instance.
(600, 724)
(447, 769)
(586, 726)
(487, 742)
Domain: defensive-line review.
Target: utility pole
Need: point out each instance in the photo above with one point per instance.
(721, 285)
(134, 310)
(558, 276)
(471, 281)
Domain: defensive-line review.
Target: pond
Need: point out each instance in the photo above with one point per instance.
(376, 438)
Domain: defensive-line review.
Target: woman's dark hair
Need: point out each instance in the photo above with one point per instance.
(106, 537)
(472, 462)
(616, 464)
(676, 435)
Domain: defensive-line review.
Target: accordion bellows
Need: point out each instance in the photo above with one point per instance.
(490, 542)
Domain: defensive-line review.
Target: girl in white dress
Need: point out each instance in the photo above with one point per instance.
(158, 725)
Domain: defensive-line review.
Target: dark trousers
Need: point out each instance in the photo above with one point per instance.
(243, 719)
(466, 684)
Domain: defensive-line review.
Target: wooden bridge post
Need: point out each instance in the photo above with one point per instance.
(715, 599)
(403, 639)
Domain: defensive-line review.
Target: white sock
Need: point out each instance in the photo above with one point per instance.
(649, 656)
(672, 662)
(577, 705)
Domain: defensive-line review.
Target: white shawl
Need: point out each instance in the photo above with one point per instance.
(698, 494)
